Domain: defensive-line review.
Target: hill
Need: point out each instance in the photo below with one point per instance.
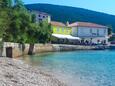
(72, 14)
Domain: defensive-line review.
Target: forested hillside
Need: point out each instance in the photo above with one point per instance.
(72, 14)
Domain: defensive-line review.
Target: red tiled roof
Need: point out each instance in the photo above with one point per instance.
(86, 24)
(54, 23)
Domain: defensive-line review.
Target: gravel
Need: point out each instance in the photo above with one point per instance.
(17, 73)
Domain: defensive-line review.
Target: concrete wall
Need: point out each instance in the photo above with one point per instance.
(39, 48)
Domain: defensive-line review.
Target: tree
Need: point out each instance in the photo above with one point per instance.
(40, 32)
(20, 22)
(5, 13)
(19, 25)
(45, 32)
(112, 39)
(109, 29)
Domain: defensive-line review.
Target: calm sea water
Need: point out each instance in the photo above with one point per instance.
(79, 68)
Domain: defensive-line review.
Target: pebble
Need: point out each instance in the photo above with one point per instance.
(15, 72)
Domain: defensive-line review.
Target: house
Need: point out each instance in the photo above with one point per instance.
(90, 32)
(41, 16)
(60, 28)
(62, 33)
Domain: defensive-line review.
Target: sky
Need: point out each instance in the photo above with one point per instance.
(106, 6)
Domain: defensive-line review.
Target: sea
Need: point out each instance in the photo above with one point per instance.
(78, 68)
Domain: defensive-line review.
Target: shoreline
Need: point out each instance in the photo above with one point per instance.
(17, 73)
(16, 50)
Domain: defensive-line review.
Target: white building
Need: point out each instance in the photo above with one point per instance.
(90, 32)
(41, 16)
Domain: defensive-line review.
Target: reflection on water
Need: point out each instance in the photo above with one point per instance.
(79, 68)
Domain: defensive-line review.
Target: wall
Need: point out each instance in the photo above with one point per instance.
(74, 31)
(42, 16)
(39, 48)
(88, 33)
(17, 48)
(92, 32)
(49, 19)
(61, 30)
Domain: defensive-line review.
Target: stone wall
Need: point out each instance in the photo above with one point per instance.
(18, 51)
(63, 47)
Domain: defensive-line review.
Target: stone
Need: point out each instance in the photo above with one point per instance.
(17, 73)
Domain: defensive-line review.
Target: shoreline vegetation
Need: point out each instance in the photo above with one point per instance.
(16, 73)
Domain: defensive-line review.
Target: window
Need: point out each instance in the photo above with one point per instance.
(94, 32)
(104, 31)
(91, 30)
(58, 29)
(39, 15)
(67, 31)
(43, 16)
(63, 30)
(98, 32)
(40, 19)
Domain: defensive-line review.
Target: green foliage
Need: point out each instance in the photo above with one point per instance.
(4, 15)
(33, 18)
(112, 39)
(1, 44)
(18, 25)
(109, 30)
(45, 32)
(40, 33)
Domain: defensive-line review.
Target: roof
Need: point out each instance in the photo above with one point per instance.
(86, 24)
(54, 23)
(65, 36)
(40, 12)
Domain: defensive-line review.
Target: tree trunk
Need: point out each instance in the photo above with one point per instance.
(31, 48)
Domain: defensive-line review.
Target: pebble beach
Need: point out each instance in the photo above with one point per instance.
(15, 72)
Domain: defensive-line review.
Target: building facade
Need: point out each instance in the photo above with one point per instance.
(90, 32)
(62, 33)
(41, 16)
(60, 28)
